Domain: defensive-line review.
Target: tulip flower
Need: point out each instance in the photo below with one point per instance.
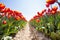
(36, 16)
(49, 9)
(11, 21)
(4, 22)
(2, 6)
(17, 18)
(47, 4)
(8, 16)
(6, 10)
(40, 14)
(44, 10)
(51, 1)
(16, 13)
(53, 12)
(55, 8)
(37, 20)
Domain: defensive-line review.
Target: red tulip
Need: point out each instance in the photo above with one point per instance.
(22, 17)
(17, 18)
(55, 8)
(10, 12)
(8, 16)
(49, 9)
(51, 1)
(47, 4)
(43, 11)
(2, 6)
(53, 12)
(36, 16)
(1, 11)
(37, 20)
(16, 12)
(40, 14)
(4, 22)
(47, 13)
(6, 10)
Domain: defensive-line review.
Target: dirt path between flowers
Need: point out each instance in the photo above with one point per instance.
(29, 33)
(24, 34)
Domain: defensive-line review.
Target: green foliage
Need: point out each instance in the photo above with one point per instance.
(12, 26)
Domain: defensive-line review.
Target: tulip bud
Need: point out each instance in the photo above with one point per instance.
(37, 20)
(55, 8)
(4, 22)
(53, 12)
(17, 18)
(47, 4)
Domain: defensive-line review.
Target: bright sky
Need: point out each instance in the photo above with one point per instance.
(29, 8)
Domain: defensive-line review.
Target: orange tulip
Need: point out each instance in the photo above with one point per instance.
(53, 12)
(55, 8)
(37, 20)
(22, 17)
(17, 18)
(51, 1)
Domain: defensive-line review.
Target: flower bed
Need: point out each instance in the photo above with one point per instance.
(48, 22)
(11, 22)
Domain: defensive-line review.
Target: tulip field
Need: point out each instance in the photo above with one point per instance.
(47, 21)
(11, 21)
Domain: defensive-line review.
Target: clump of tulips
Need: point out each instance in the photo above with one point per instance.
(11, 21)
(48, 22)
